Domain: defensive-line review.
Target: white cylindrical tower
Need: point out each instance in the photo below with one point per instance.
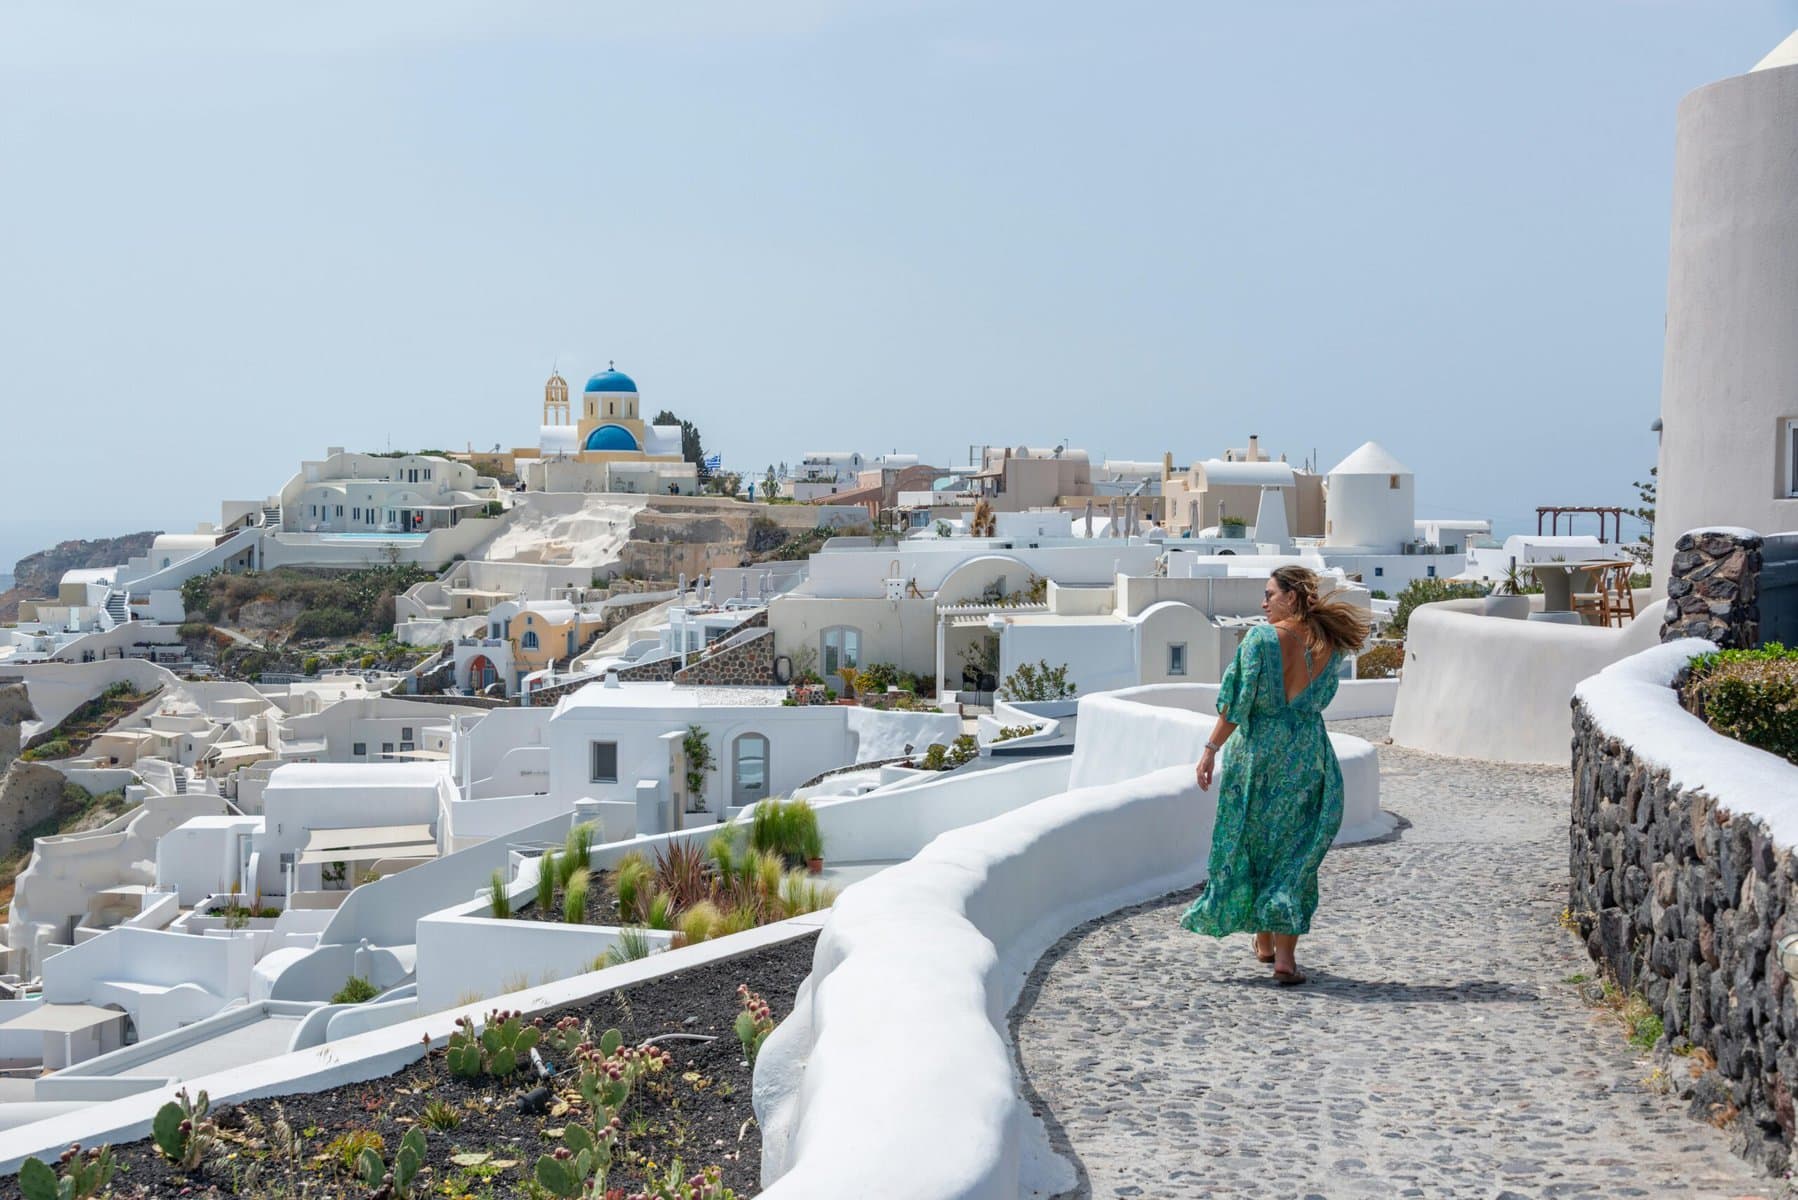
(1729, 383)
(1369, 502)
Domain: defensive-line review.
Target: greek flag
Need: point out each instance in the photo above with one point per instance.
(713, 461)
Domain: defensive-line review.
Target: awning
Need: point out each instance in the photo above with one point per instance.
(64, 1018)
(225, 752)
(330, 839)
(428, 755)
(369, 853)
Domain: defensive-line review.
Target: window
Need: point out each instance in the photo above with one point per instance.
(360, 749)
(1392, 482)
(749, 769)
(1378, 572)
(355, 514)
(386, 751)
(604, 763)
(340, 510)
(405, 733)
(406, 746)
(1176, 658)
(841, 647)
(530, 639)
(1430, 571)
(1791, 448)
(427, 474)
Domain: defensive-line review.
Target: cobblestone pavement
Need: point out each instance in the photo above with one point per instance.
(1438, 1049)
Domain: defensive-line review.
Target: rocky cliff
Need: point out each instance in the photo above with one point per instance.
(36, 575)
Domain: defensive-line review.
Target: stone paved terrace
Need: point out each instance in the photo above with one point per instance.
(1437, 1051)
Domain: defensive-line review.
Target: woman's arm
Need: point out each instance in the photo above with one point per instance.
(1220, 733)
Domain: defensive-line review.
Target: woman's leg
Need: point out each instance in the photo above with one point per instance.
(1285, 951)
(1264, 945)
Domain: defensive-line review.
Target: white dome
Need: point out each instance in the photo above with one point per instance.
(1783, 55)
(1371, 459)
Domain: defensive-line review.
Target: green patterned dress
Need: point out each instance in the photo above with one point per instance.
(1279, 798)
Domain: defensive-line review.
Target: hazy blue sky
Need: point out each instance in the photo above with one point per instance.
(235, 234)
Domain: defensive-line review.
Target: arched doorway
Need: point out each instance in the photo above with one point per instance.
(481, 673)
(748, 769)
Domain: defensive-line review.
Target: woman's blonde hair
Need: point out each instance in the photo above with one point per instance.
(1331, 625)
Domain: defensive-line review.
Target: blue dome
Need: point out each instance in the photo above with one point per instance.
(611, 437)
(611, 381)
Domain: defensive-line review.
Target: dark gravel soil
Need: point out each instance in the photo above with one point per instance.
(602, 905)
(698, 1110)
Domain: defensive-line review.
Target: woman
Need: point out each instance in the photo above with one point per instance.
(1279, 801)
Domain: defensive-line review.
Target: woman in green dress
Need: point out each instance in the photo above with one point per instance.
(1279, 797)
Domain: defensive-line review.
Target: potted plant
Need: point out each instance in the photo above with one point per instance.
(1508, 598)
(1233, 527)
(847, 675)
(804, 839)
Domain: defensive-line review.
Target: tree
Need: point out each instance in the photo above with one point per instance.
(1646, 494)
(770, 484)
(1038, 682)
(691, 449)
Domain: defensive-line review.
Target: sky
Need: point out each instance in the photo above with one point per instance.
(233, 235)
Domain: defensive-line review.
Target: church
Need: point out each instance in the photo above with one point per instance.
(605, 445)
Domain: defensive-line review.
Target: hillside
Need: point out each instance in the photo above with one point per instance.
(36, 575)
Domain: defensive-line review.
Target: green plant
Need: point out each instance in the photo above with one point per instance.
(722, 850)
(632, 944)
(680, 871)
(181, 1131)
(848, 676)
(346, 1148)
(876, 677)
(964, 749)
(801, 894)
(943, 529)
(936, 757)
(1008, 732)
(754, 1023)
(660, 912)
(440, 1116)
(577, 849)
(1748, 695)
(1038, 681)
(355, 990)
(607, 1073)
(397, 1180)
(497, 898)
(696, 749)
(1428, 591)
(504, 1042)
(700, 922)
(78, 1175)
(1382, 660)
(546, 881)
(808, 838)
(628, 878)
(574, 898)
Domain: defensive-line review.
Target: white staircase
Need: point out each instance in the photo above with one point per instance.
(118, 606)
(271, 517)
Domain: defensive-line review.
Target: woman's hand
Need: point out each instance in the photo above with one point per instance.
(1207, 765)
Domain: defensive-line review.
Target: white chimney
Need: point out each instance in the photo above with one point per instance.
(612, 679)
(1254, 448)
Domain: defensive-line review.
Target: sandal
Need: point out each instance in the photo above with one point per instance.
(1290, 978)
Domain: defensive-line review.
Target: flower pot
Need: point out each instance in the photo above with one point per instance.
(815, 866)
(1515, 608)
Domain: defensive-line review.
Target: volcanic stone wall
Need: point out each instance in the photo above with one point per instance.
(1686, 903)
(1713, 588)
(750, 663)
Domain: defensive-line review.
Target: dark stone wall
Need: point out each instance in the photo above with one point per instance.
(1686, 903)
(748, 664)
(1713, 589)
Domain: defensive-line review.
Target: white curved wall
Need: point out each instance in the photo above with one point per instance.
(1730, 373)
(904, 1016)
(1366, 510)
(1484, 687)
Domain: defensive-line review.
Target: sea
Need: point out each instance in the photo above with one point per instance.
(5, 581)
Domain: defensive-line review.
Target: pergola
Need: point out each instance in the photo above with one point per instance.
(1554, 513)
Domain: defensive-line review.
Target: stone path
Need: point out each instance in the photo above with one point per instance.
(1438, 1050)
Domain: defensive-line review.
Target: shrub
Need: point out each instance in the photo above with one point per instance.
(1008, 732)
(1038, 681)
(326, 623)
(700, 922)
(1749, 695)
(1382, 660)
(355, 990)
(440, 1116)
(1429, 591)
(628, 878)
(574, 898)
(876, 677)
(547, 877)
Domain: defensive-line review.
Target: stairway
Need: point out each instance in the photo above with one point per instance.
(180, 781)
(118, 606)
(271, 517)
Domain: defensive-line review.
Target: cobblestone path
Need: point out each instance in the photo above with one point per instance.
(1438, 1049)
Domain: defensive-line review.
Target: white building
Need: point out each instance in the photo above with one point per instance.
(371, 493)
(1729, 389)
